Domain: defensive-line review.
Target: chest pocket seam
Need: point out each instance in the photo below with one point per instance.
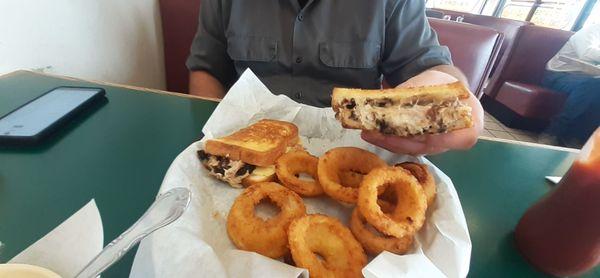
(358, 55)
(252, 49)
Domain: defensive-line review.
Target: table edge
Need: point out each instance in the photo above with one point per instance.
(163, 92)
(130, 87)
(529, 144)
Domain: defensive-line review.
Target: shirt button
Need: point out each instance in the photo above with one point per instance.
(300, 17)
(298, 59)
(299, 95)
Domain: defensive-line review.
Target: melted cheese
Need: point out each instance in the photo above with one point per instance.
(230, 168)
(264, 171)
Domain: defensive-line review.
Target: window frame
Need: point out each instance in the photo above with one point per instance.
(580, 20)
(584, 12)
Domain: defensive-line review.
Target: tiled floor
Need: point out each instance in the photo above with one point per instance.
(495, 129)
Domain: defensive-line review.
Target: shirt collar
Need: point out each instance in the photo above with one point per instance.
(297, 7)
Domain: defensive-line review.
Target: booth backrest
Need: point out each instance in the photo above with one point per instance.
(508, 27)
(179, 22)
(534, 47)
(474, 48)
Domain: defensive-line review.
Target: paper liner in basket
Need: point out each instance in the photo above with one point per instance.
(197, 244)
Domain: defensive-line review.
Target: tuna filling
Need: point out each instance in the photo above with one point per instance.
(225, 169)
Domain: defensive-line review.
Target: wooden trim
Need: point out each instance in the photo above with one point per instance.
(529, 144)
(136, 88)
(8, 74)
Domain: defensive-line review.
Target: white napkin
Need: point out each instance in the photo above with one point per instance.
(553, 179)
(197, 245)
(70, 246)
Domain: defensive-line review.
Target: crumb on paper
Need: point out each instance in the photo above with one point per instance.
(216, 215)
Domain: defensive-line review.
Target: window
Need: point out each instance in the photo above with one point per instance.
(489, 7)
(518, 10)
(560, 14)
(470, 6)
(594, 17)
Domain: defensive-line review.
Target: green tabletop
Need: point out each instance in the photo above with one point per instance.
(118, 155)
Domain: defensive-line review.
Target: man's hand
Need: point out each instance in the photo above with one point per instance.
(432, 143)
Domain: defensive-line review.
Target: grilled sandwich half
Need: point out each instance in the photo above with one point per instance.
(248, 156)
(404, 111)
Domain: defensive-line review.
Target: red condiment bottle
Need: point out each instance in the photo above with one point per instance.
(560, 234)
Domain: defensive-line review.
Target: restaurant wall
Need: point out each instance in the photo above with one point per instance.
(109, 40)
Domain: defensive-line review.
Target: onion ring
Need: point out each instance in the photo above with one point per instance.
(408, 215)
(343, 159)
(425, 178)
(289, 165)
(350, 178)
(375, 243)
(317, 235)
(266, 237)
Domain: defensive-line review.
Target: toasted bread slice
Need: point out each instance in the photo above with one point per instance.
(404, 111)
(259, 144)
(407, 94)
(266, 174)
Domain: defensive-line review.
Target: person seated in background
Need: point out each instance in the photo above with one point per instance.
(575, 71)
(304, 48)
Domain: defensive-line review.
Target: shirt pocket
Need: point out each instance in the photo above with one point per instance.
(357, 55)
(252, 49)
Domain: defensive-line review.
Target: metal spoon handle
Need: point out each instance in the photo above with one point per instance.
(166, 209)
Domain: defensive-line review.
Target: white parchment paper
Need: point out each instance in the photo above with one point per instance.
(68, 247)
(197, 244)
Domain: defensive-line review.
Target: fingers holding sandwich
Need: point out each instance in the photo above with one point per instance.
(400, 145)
(428, 114)
(431, 77)
(432, 144)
